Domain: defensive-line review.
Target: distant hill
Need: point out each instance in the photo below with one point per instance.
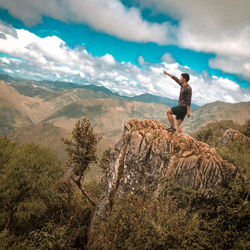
(158, 99)
(217, 128)
(44, 134)
(237, 112)
(12, 111)
(107, 115)
(48, 135)
(64, 107)
(41, 88)
(26, 102)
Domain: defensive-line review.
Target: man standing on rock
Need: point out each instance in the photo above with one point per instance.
(184, 102)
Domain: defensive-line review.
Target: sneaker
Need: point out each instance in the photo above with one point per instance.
(171, 129)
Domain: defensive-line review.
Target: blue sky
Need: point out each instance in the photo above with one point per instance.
(125, 45)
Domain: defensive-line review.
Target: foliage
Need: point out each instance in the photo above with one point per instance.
(237, 153)
(217, 221)
(48, 237)
(213, 131)
(27, 185)
(105, 160)
(81, 149)
(246, 128)
(205, 135)
(6, 149)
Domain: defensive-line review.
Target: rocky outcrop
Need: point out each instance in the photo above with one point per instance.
(232, 135)
(147, 155)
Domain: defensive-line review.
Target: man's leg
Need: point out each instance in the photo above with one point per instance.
(170, 117)
(178, 122)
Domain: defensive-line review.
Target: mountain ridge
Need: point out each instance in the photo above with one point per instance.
(58, 85)
(38, 104)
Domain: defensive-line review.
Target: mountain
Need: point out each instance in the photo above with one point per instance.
(237, 112)
(26, 102)
(158, 99)
(216, 129)
(13, 112)
(32, 88)
(65, 106)
(107, 115)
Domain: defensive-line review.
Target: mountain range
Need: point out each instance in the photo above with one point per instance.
(26, 104)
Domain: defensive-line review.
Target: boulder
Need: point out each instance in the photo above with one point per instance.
(147, 155)
(232, 135)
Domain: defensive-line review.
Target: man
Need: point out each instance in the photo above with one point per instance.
(184, 102)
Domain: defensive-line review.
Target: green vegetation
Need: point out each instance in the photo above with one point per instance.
(236, 153)
(70, 111)
(45, 134)
(42, 208)
(204, 222)
(39, 208)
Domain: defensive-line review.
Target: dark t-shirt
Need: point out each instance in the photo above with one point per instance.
(185, 94)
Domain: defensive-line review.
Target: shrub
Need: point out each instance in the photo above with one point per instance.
(28, 186)
(237, 153)
(208, 220)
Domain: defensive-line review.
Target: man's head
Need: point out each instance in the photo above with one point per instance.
(185, 77)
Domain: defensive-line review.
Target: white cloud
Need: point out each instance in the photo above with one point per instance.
(234, 65)
(50, 58)
(7, 29)
(141, 60)
(220, 27)
(168, 58)
(108, 16)
(109, 59)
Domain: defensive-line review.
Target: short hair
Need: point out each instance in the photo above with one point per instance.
(186, 76)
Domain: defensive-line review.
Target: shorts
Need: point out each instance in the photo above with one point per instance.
(180, 112)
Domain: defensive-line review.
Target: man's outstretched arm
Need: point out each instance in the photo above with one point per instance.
(172, 76)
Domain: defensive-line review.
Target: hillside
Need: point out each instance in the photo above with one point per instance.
(106, 115)
(26, 102)
(237, 112)
(48, 135)
(158, 99)
(216, 128)
(41, 88)
(13, 112)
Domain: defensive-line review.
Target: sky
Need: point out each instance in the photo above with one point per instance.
(124, 45)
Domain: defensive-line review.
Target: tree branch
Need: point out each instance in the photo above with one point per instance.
(83, 192)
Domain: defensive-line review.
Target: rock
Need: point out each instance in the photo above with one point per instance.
(232, 135)
(147, 155)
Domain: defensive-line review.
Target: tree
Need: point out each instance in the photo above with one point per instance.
(81, 149)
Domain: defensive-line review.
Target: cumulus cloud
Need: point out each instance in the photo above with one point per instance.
(7, 29)
(234, 65)
(50, 58)
(167, 58)
(110, 16)
(220, 27)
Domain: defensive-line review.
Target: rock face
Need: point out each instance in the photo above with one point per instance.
(147, 155)
(232, 135)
